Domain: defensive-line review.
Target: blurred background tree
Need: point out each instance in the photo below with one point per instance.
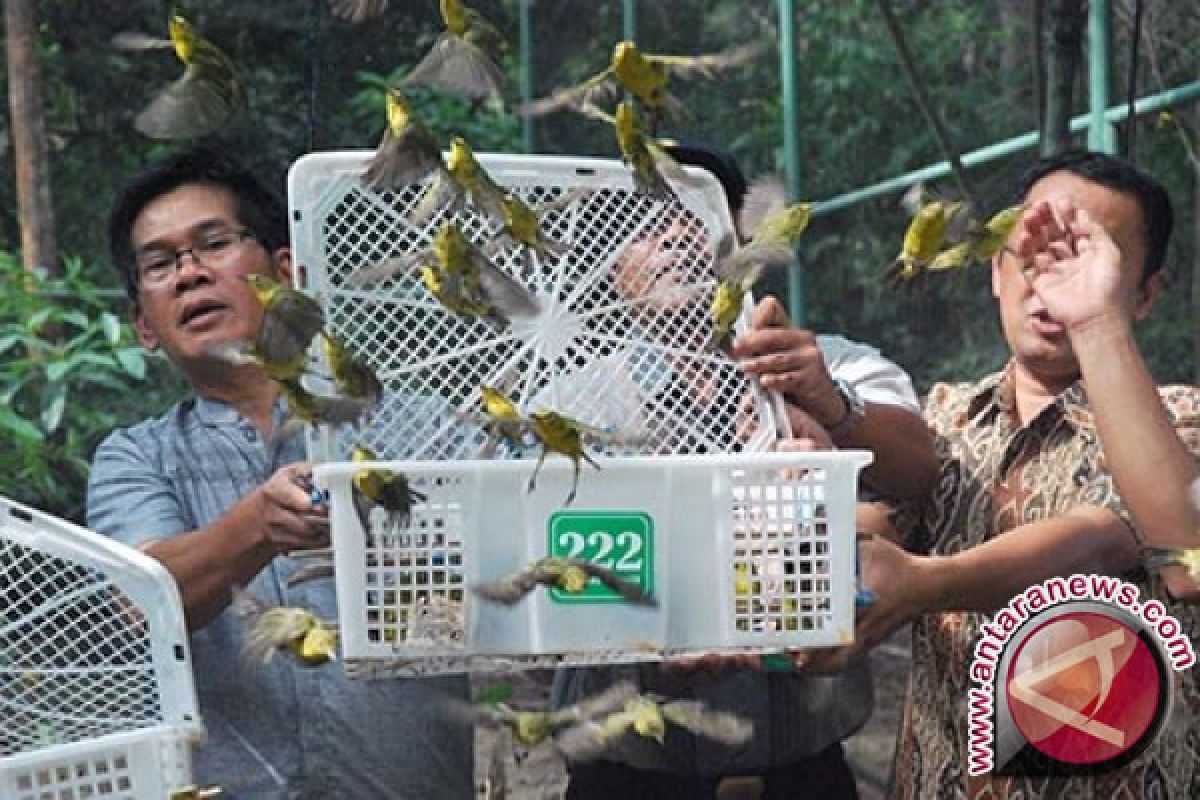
(315, 83)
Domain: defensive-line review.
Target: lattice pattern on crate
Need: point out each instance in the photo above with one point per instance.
(75, 657)
(781, 572)
(620, 343)
(414, 576)
(97, 776)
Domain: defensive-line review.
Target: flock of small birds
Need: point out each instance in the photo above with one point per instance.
(464, 277)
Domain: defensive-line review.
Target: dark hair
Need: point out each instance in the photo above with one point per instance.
(257, 207)
(717, 160)
(1121, 176)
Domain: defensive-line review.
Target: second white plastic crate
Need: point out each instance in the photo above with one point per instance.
(96, 692)
(747, 551)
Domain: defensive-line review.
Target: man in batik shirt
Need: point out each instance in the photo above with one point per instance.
(1041, 475)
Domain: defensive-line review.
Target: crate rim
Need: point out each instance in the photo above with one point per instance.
(814, 458)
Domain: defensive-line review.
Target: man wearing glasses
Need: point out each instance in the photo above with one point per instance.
(199, 489)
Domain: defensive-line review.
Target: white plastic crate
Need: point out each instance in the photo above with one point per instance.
(599, 352)
(96, 693)
(740, 554)
(743, 552)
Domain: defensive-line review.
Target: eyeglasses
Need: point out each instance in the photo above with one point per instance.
(217, 249)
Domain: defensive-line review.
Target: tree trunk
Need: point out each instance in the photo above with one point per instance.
(1068, 19)
(35, 211)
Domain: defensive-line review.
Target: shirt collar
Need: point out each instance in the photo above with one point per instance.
(997, 393)
(214, 413)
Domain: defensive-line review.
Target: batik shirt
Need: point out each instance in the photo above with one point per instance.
(994, 476)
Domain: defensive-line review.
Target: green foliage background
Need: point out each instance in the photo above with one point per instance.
(858, 126)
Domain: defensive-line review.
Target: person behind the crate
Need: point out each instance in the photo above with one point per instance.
(838, 392)
(1065, 462)
(201, 489)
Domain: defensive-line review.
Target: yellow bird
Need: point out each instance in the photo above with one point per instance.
(295, 631)
(570, 575)
(385, 488)
(559, 433)
(981, 242)
(351, 376)
(643, 75)
(322, 409)
(290, 319)
(408, 151)
(653, 167)
(463, 59)
(522, 227)
(775, 228)
(500, 420)
(203, 99)
(460, 277)
(648, 716)
(461, 180)
(925, 237)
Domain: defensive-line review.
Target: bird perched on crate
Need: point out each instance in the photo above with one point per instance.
(570, 575)
(463, 59)
(203, 99)
(648, 716)
(774, 228)
(461, 179)
(408, 151)
(653, 167)
(295, 631)
(461, 278)
(388, 489)
(643, 75)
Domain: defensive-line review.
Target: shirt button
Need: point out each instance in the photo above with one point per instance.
(251, 434)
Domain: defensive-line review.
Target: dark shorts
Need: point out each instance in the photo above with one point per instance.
(824, 776)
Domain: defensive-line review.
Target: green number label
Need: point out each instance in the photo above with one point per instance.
(622, 541)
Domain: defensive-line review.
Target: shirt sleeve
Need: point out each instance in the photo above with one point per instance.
(874, 377)
(129, 496)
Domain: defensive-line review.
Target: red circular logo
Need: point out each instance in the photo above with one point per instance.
(1084, 688)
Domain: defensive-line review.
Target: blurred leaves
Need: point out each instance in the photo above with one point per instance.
(70, 371)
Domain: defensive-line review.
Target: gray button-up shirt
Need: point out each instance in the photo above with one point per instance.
(794, 715)
(280, 730)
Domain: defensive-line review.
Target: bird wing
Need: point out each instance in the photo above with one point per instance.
(191, 107)
(356, 11)
(709, 64)
(403, 160)
(765, 197)
(600, 88)
(459, 66)
(503, 293)
(628, 590)
(603, 703)
(389, 267)
(442, 190)
(696, 717)
(137, 42)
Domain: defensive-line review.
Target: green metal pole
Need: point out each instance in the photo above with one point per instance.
(1100, 132)
(791, 138)
(1146, 105)
(629, 20)
(525, 26)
